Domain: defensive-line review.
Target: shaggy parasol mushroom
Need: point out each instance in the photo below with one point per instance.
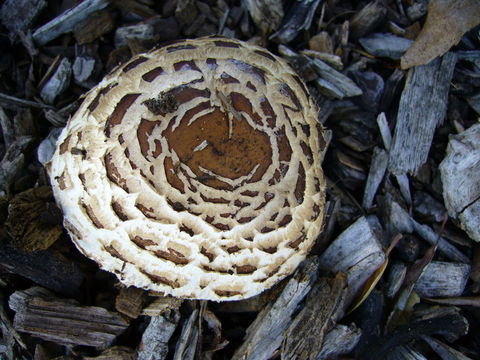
(194, 170)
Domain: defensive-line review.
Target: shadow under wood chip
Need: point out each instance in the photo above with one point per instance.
(450, 325)
(115, 352)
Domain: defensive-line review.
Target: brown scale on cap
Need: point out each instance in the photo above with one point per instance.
(204, 160)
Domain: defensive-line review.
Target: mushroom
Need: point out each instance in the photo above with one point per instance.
(194, 170)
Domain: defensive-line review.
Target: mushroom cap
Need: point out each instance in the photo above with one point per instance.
(194, 170)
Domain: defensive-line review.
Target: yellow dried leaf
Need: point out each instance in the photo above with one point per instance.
(372, 281)
(368, 286)
(447, 21)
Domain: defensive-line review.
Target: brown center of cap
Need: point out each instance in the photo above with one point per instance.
(221, 144)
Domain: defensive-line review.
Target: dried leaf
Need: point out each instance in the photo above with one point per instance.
(33, 220)
(447, 21)
(368, 286)
(374, 278)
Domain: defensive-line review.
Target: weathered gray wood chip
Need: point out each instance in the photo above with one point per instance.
(333, 82)
(427, 208)
(460, 171)
(385, 45)
(18, 15)
(323, 307)
(398, 270)
(138, 32)
(42, 314)
(422, 108)
(47, 147)
(367, 19)
(428, 234)
(6, 125)
(13, 161)
(357, 251)
(154, 344)
(340, 340)
(67, 21)
(443, 279)
(377, 170)
(58, 82)
(188, 342)
(265, 334)
(443, 350)
(402, 179)
(399, 221)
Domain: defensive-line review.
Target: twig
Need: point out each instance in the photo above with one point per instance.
(7, 99)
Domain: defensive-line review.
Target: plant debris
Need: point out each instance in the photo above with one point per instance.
(447, 21)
